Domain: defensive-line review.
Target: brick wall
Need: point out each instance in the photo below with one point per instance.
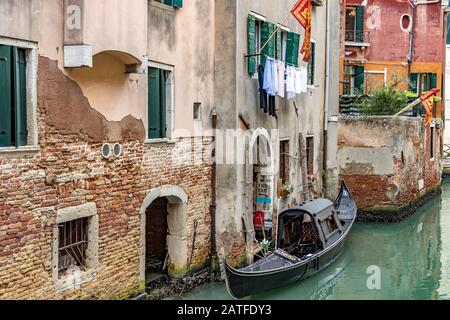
(69, 171)
(383, 160)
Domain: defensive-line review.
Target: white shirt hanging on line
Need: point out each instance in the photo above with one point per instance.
(304, 77)
(270, 76)
(281, 70)
(290, 82)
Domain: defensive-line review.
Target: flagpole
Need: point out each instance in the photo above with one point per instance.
(276, 30)
(408, 107)
(416, 102)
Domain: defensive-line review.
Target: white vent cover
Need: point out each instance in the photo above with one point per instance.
(106, 150)
(117, 150)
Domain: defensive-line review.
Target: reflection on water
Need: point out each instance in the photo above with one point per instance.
(413, 257)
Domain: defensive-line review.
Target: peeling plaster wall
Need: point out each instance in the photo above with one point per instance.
(109, 25)
(184, 38)
(383, 160)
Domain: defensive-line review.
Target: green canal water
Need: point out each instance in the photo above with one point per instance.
(412, 257)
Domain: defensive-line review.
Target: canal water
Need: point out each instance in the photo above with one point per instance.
(407, 260)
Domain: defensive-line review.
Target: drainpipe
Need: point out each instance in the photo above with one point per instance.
(411, 43)
(213, 205)
(327, 96)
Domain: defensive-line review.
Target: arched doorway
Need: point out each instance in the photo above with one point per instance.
(156, 231)
(163, 232)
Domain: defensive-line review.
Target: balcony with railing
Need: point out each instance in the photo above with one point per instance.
(357, 38)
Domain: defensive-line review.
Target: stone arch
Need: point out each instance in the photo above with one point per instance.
(176, 220)
(263, 134)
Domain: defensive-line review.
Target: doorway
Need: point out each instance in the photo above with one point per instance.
(156, 232)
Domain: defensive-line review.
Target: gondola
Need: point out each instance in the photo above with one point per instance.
(309, 238)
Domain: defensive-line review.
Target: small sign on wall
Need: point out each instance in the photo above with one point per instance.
(421, 184)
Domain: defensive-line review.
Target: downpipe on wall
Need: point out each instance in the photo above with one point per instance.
(214, 261)
(327, 100)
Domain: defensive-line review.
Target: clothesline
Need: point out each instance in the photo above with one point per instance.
(269, 57)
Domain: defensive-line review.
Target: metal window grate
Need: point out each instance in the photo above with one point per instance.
(73, 241)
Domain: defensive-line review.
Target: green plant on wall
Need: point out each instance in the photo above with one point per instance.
(383, 101)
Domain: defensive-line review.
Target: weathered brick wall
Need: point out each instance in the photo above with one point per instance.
(382, 160)
(69, 171)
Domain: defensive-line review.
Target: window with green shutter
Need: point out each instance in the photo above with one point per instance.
(172, 3)
(292, 48)
(414, 83)
(448, 30)
(312, 65)
(178, 3)
(433, 81)
(267, 29)
(5, 96)
(251, 38)
(13, 104)
(359, 24)
(279, 46)
(157, 124)
(360, 79)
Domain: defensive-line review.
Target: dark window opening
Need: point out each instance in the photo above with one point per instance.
(73, 243)
(310, 155)
(156, 250)
(284, 161)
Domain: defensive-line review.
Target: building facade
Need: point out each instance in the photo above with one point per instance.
(99, 182)
(391, 165)
(386, 42)
(278, 158)
(132, 139)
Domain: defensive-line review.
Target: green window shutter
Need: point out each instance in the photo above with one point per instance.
(168, 2)
(154, 99)
(359, 78)
(279, 45)
(312, 65)
(178, 3)
(433, 81)
(414, 82)
(292, 48)
(296, 49)
(20, 97)
(162, 110)
(267, 29)
(5, 96)
(251, 36)
(359, 28)
(448, 30)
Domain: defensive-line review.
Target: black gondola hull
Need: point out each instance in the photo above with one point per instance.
(241, 285)
(280, 269)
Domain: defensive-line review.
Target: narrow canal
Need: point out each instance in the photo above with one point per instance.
(413, 258)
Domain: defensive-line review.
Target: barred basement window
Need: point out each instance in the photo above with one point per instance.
(73, 242)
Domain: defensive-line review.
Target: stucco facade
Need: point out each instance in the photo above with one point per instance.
(237, 101)
(73, 113)
(394, 40)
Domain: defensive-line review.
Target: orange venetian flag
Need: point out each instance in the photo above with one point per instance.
(428, 104)
(303, 13)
